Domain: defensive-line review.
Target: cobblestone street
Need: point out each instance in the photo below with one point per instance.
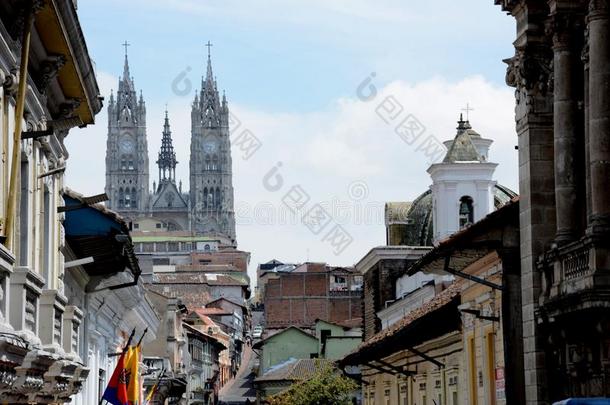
(241, 388)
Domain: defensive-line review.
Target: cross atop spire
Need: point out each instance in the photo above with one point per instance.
(126, 75)
(209, 45)
(126, 44)
(467, 109)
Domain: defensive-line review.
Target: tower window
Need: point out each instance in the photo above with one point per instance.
(121, 197)
(466, 212)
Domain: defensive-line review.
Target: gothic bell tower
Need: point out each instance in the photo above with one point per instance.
(211, 181)
(127, 149)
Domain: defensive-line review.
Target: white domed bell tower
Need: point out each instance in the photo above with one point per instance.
(462, 184)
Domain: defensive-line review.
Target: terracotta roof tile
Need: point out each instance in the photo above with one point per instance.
(199, 278)
(294, 370)
(212, 311)
(440, 300)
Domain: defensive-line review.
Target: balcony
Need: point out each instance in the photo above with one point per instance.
(576, 276)
(345, 293)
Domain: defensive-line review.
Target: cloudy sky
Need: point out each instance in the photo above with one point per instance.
(323, 85)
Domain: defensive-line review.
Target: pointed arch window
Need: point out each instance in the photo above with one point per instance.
(121, 197)
(466, 215)
(211, 198)
(215, 162)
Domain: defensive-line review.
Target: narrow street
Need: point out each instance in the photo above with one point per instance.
(241, 388)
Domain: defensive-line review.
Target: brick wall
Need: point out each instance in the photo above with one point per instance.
(379, 287)
(191, 295)
(301, 298)
(237, 258)
(370, 293)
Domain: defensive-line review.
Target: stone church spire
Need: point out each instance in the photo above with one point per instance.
(167, 156)
(128, 107)
(127, 148)
(210, 172)
(209, 100)
(126, 76)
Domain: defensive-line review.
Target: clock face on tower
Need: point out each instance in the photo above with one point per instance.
(209, 147)
(126, 144)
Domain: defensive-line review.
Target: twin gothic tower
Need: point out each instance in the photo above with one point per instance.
(207, 209)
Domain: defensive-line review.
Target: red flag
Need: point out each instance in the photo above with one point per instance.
(116, 391)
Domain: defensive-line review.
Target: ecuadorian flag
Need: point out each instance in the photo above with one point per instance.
(116, 391)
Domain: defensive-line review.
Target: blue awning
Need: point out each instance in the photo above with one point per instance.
(89, 221)
(93, 231)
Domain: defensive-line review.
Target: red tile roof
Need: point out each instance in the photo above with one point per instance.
(200, 331)
(294, 370)
(439, 301)
(233, 301)
(212, 311)
(206, 320)
(199, 278)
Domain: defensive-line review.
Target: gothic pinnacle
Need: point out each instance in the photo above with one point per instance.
(126, 75)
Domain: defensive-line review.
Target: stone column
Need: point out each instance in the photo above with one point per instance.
(566, 129)
(585, 60)
(529, 72)
(599, 115)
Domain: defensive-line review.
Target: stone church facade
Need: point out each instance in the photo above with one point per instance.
(561, 75)
(207, 209)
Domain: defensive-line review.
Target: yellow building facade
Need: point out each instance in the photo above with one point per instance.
(455, 344)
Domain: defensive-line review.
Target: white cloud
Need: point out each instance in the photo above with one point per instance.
(323, 151)
(326, 151)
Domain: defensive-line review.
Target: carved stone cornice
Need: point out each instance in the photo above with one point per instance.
(529, 71)
(11, 82)
(67, 108)
(48, 71)
(507, 5)
(16, 29)
(598, 9)
(564, 28)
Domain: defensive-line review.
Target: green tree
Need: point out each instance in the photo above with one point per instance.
(325, 387)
